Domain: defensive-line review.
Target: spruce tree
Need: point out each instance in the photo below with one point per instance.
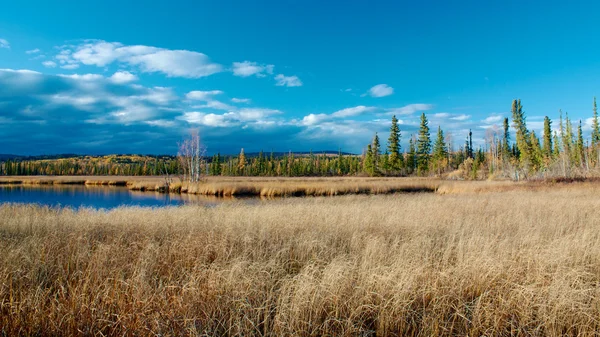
(596, 135)
(369, 164)
(547, 138)
(440, 151)
(423, 145)
(376, 151)
(595, 127)
(242, 162)
(506, 140)
(580, 146)
(523, 138)
(411, 158)
(394, 147)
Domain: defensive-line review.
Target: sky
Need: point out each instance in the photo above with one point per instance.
(103, 77)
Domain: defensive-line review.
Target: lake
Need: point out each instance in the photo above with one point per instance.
(106, 197)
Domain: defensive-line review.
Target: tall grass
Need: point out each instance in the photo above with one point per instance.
(506, 263)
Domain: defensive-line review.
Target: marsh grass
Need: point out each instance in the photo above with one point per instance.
(506, 263)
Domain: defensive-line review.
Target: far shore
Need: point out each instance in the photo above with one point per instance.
(293, 186)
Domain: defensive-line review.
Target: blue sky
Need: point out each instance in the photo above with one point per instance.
(135, 77)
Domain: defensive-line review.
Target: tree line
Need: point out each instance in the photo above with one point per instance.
(562, 151)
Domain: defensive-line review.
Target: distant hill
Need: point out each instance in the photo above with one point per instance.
(5, 157)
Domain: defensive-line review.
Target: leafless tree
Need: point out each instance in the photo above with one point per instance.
(191, 157)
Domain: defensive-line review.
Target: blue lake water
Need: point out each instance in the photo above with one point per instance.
(106, 197)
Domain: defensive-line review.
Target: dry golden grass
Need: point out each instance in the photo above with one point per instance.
(494, 264)
(282, 187)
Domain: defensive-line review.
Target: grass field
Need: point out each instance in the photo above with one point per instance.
(510, 262)
(281, 187)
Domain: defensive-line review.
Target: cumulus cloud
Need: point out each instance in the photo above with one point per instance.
(203, 95)
(33, 51)
(461, 117)
(287, 81)
(4, 44)
(492, 119)
(49, 64)
(314, 119)
(123, 77)
(381, 90)
(247, 68)
(409, 109)
(240, 100)
(173, 63)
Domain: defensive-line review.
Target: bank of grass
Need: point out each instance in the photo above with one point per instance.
(285, 187)
(495, 264)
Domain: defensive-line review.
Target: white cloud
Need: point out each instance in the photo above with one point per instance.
(314, 119)
(410, 109)
(198, 95)
(70, 66)
(441, 115)
(201, 118)
(161, 122)
(4, 44)
(492, 119)
(173, 63)
(247, 68)
(121, 77)
(462, 117)
(349, 112)
(33, 51)
(240, 100)
(49, 64)
(288, 81)
(84, 77)
(381, 90)
(254, 114)
(214, 104)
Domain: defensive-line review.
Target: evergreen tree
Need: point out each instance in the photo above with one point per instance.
(369, 164)
(423, 145)
(242, 162)
(506, 140)
(547, 138)
(580, 146)
(523, 138)
(595, 127)
(595, 135)
(536, 155)
(376, 148)
(556, 151)
(411, 158)
(440, 151)
(394, 147)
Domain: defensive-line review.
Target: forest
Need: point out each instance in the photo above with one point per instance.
(513, 153)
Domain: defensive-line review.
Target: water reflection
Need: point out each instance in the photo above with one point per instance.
(99, 196)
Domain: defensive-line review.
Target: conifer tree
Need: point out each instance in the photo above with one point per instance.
(369, 164)
(523, 138)
(423, 146)
(506, 140)
(580, 146)
(595, 127)
(596, 135)
(556, 151)
(440, 151)
(394, 147)
(536, 155)
(376, 148)
(242, 162)
(411, 156)
(547, 138)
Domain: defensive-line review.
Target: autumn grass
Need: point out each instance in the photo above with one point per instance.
(521, 262)
(286, 187)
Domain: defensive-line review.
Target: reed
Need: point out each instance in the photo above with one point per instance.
(519, 262)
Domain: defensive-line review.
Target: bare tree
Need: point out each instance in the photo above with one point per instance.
(191, 157)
